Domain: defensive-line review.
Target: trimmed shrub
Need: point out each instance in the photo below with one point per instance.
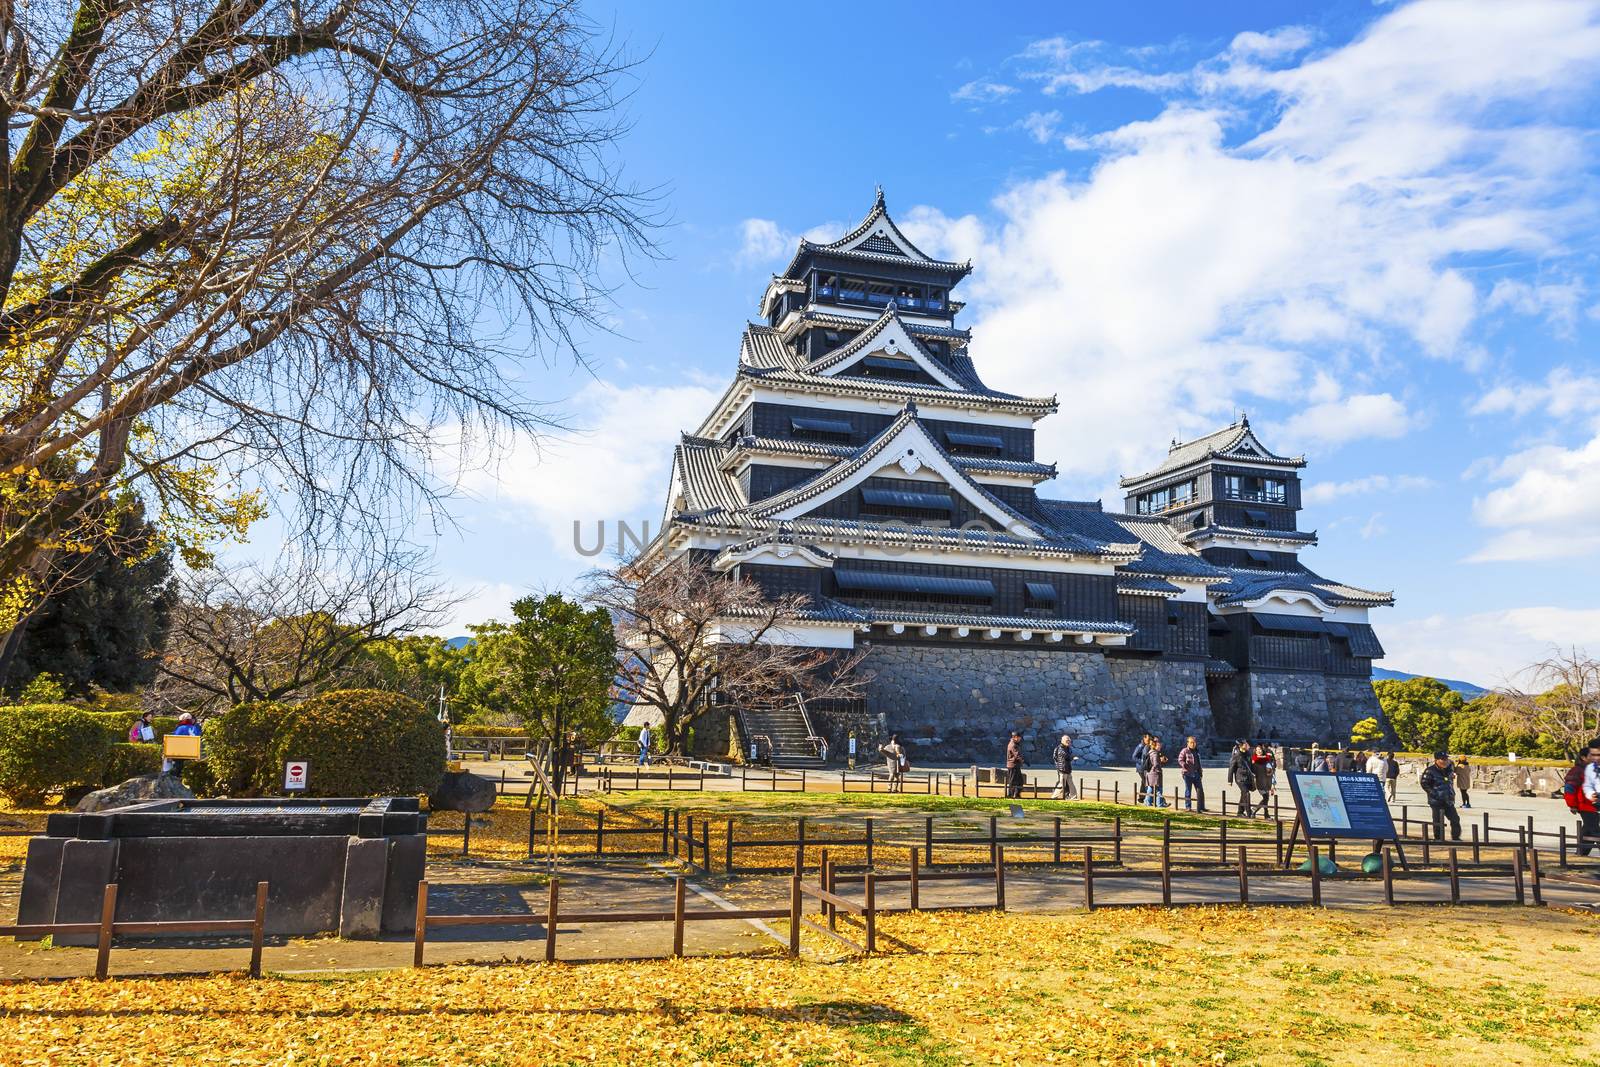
(49, 747)
(117, 724)
(239, 748)
(364, 742)
(130, 761)
(478, 729)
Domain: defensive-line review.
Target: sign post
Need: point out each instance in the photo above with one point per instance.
(295, 774)
(1330, 806)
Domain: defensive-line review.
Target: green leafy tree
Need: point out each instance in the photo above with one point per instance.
(1419, 711)
(1366, 732)
(418, 666)
(549, 671)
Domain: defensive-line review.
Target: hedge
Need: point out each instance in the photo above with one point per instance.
(239, 748)
(45, 748)
(474, 729)
(363, 742)
(130, 761)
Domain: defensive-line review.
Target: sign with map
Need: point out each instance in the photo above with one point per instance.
(1342, 805)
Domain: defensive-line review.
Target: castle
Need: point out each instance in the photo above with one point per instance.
(859, 459)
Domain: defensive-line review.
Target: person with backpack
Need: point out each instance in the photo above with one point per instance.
(1138, 757)
(1241, 775)
(1438, 782)
(1391, 775)
(1153, 759)
(1464, 781)
(1581, 790)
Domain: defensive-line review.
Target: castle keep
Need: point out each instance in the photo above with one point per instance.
(859, 459)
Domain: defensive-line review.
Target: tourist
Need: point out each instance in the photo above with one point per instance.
(1194, 786)
(822, 749)
(1241, 776)
(1153, 759)
(1138, 758)
(1014, 766)
(1377, 766)
(644, 745)
(1262, 769)
(1438, 782)
(143, 731)
(186, 727)
(1581, 791)
(893, 755)
(1391, 774)
(1062, 756)
(1319, 761)
(1464, 780)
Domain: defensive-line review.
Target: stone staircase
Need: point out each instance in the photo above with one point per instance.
(786, 728)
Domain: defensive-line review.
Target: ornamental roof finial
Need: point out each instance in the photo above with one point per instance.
(911, 407)
(1244, 420)
(878, 198)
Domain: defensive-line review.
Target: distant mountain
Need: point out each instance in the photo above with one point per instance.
(459, 642)
(1466, 689)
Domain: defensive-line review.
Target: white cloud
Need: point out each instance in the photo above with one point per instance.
(762, 240)
(1274, 44)
(1042, 125)
(1327, 492)
(1564, 394)
(1489, 648)
(616, 469)
(1556, 303)
(1082, 67)
(1353, 418)
(1550, 508)
(983, 91)
(1197, 270)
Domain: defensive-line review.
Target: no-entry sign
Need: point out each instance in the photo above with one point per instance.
(295, 772)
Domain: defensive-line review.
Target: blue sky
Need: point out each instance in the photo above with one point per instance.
(1369, 226)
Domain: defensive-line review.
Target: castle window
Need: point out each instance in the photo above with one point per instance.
(974, 444)
(909, 296)
(835, 430)
(935, 299)
(1039, 596)
(1167, 498)
(827, 284)
(1250, 487)
(914, 589)
(1258, 556)
(1256, 517)
(879, 293)
(887, 367)
(924, 509)
(853, 289)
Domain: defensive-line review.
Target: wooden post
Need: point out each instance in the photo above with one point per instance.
(1531, 841)
(1316, 876)
(1116, 840)
(825, 872)
(552, 919)
(727, 849)
(800, 836)
(1275, 803)
(108, 914)
(1388, 878)
(915, 894)
(1244, 877)
(869, 842)
(1088, 877)
(1426, 859)
(1563, 847)
(1000, 878)
(466, 832)
(994, 837)
(1455, 879)
(676, 843)
(1280, 843)
(421, 934)
(1486, 827)
(872, 913)
(258, 930)
(1097, 790)
(1056, 853)
(599, 832)
(1166, 861)
(1538, 892)
(677, 915)
(1222, 840)
(705, 844)
(927, 830)
(1516, 874)
(1476, 856)
(794, 916)
(1115, 787)
(664, 831)
(1405, 820)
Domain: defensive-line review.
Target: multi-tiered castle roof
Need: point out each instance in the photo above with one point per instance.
(859, 458)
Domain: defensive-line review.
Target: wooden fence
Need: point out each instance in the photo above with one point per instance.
(108, 928)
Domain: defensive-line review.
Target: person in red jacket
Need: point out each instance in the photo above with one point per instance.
(1582, 794)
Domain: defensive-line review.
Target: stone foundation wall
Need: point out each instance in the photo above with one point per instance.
(1350, 699)
(1291, 705)
(959, 704)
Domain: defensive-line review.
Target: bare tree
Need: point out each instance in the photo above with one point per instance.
(689, 634)
(255, 243)
(287, 629)
(1561, 702)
